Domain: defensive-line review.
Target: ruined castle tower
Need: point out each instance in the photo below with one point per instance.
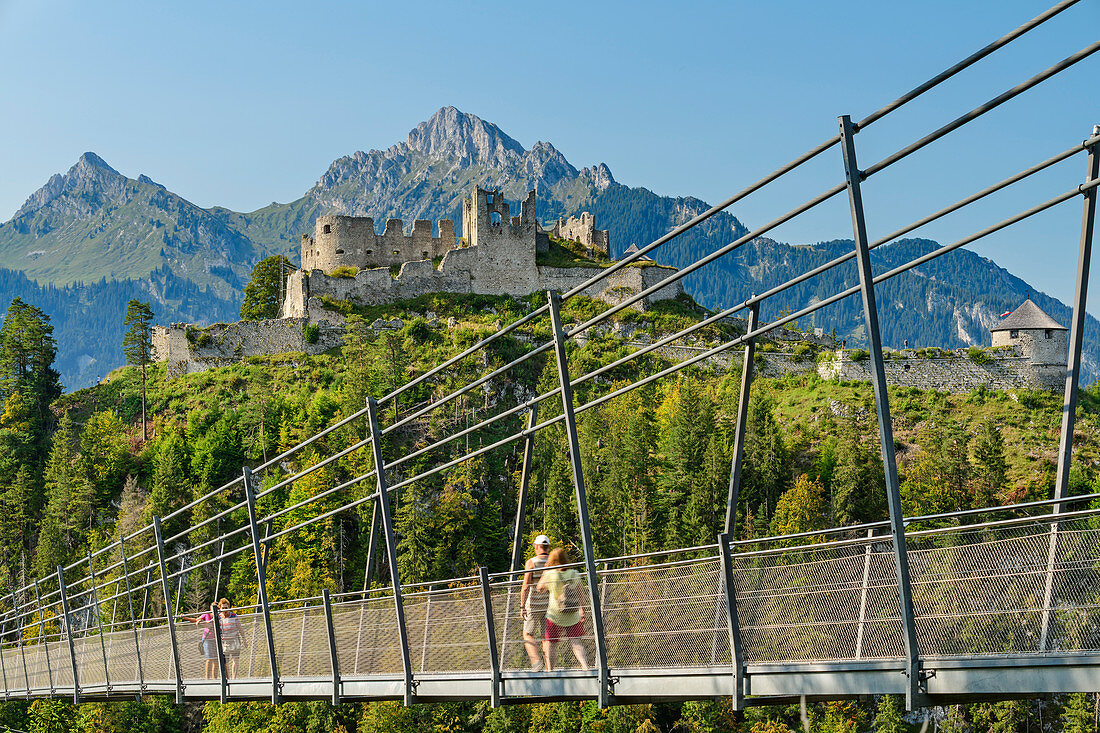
(583, 229)
(350, 241)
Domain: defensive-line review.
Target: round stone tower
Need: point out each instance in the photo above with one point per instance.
(1036, 336)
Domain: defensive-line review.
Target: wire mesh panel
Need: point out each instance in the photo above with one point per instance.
(90, 661)
(665, 616)
(253, 659)
(807, 603)
(301, 642)
(366, 637)
(447, 630)
(36, 667)
(508, 624)
(982, 590)
(122, 657)
(156, 654)
(1075, 586)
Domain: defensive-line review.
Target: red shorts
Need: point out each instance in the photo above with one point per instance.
(554, 632)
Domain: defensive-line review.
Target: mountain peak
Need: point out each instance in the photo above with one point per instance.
(90, 160)
(90, 174)
(452, 132)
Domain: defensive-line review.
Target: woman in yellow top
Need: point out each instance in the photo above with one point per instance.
(565, 612)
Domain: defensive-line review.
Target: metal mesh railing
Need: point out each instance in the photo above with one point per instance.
(979, 590)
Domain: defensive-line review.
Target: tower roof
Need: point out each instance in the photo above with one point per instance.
(1028, 317)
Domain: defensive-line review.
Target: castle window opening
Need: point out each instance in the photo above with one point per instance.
(396, 253)
(494, 218)
(327, 229)
(423, 255)
(339, 251)
(369, 252)
(1049, 333)
(489, 199)
(1013, 334)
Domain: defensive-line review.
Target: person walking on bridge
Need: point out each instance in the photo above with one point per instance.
(533, 602)
(565, 612)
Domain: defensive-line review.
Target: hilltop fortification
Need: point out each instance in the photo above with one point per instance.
(499, 254)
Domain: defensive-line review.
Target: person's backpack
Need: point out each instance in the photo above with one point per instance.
(571, 597)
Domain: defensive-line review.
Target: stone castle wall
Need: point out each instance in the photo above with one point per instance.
(228, 343)
(583, 229)
(954, 373)
(350, 241)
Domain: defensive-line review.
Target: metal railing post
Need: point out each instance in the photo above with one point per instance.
(216, 621)
(45, 640)
(582, 498)
(737, 653)
(19, 640)
(524, 482)
(1073, 376)
(261, 584)
(68, 634)
(742, 424)
(863, 594)
(3, 663)
(133, 624)
(491, 635)
(166, 589)
(368, 569)
(334, 659)
(882, 405)
(391, 548)
(99, 624)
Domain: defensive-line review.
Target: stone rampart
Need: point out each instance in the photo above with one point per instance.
(583, 229)
(351, 241)
(228, 343)
(956, 372)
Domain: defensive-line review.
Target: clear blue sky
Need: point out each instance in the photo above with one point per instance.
(243, 103)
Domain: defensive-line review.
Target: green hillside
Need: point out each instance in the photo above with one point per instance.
(656, 463)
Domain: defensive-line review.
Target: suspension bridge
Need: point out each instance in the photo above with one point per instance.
(980, 604)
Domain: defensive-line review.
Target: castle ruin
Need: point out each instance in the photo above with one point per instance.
(498, 255)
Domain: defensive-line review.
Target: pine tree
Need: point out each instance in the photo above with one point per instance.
(888, 716)
(990, 467)
(263, 295)
(137, 344)
(27, 351)
(1078, 714)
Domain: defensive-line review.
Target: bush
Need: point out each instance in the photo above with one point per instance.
(978, 355)
(801, 350)
(311, 333)
(344, 271)
(824, 357)
(859, 354)
(197, 337)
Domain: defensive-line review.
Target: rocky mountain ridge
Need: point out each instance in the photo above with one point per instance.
(93, 226)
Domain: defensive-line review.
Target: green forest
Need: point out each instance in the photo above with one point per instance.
(75, 473)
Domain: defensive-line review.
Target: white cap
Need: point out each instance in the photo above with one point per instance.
(542, 540)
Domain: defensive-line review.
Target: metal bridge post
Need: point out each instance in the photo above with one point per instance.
(882, 404)
(334, 659)
(737, 652)
(19, 640)
(491, 634)
(3, 664)
(742, 424)
(391, 548)
(99, 624)
(524, 482)
(863, 594)
(261, 583)
(216, 620)
(42, 635)
(368, 569)
(1073, 375)
(133, 626)
(582, 498)
(68, 634)
(166, 589)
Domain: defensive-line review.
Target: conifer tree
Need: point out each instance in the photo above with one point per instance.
(137, 344)
(888, 716)
(990, 467)
(27, 351)
(263, 295)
